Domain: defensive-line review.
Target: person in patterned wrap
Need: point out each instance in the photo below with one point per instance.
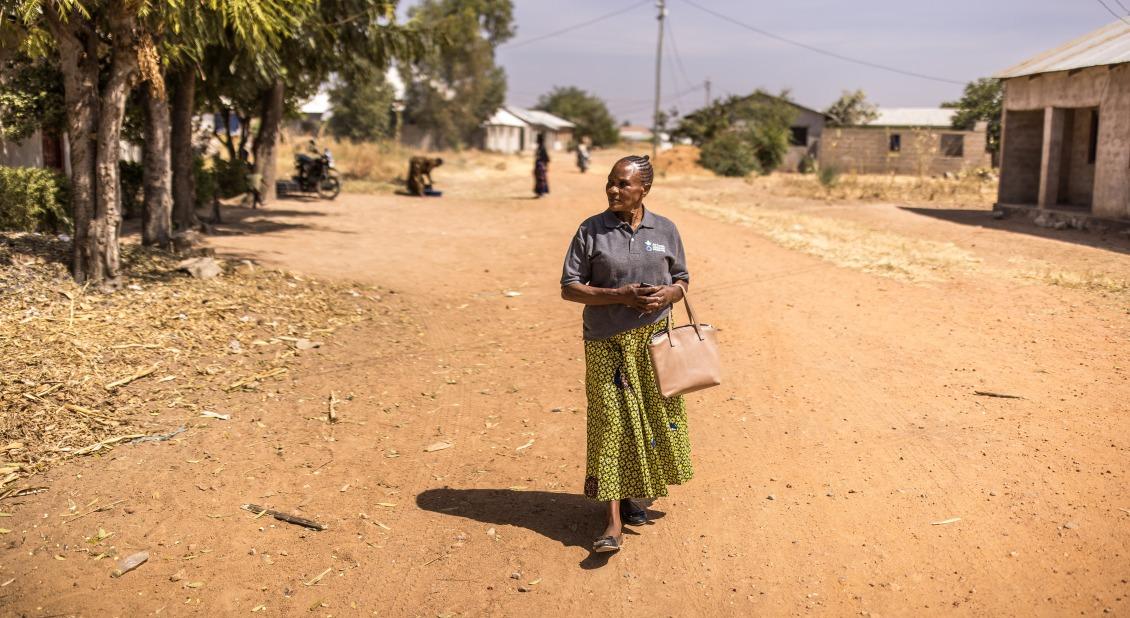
(626, 266)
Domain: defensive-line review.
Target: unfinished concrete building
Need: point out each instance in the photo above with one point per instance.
(1065, 146)
(908, 141)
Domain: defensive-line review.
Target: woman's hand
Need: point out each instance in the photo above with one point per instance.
(651, 298)
(666, 296)
(636, 296)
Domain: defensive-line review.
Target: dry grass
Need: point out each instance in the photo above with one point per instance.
(1053, 274)
(848, 244)
(382, 167)
(67, 354)
(972, 189)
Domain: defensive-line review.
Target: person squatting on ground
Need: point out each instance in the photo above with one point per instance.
(626, 265)
(541, 168)
(420, 174)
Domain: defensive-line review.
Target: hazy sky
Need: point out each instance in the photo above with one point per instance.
(954, 39)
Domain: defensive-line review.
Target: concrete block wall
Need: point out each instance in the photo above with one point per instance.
(1106, 88)
(1078, 175)
(866, 150)
(1023, 133)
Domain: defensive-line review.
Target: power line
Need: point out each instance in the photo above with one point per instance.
(575, 26)
(1112, 11)
(675, 48)
(675, 96)
(1122, 6)
(821, 51)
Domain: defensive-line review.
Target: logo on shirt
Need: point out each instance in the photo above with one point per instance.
(654, 246)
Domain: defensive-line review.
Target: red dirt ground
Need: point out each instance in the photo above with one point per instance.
(846, 428)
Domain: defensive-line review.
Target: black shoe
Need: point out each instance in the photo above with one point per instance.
(631, 513)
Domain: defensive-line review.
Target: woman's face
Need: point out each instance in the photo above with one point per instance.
(625, 190)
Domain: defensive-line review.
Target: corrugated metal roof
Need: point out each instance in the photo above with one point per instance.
(913, 117)
(505, 119)
(1107, 45)
(540, 118)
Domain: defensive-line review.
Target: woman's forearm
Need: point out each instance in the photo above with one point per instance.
(589, 295)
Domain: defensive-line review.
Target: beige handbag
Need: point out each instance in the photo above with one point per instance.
(685, 359)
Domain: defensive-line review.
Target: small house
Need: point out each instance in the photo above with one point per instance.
(515, 129)
(908, 141)
(1065, 139)
(505, 132)
(558, 131)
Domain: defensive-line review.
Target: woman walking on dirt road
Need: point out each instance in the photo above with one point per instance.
(626, 265)
(541, 168)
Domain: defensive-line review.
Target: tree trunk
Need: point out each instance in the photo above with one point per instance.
(107, 222)
(228, 140)
(244, 128)
(184, 180)
(267, 140)
(157, 227)
(78, 56)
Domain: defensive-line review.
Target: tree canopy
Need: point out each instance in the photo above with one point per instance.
(362, 105)
(759, 107)
(587, 111)
(454, 89)
(982, 101)
(851, 109)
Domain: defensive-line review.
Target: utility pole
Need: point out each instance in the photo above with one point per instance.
(662, 5)
(707, 84)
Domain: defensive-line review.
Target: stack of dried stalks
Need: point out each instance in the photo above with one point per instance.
(81, 371)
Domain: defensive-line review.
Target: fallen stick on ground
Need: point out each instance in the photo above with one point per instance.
(137, 376)
(19, 493)
(257, 377)
(160, 437)
(290, 519)
(318, 578)
(998, 395)
(331, 414)
(97, 446)
(99, 509)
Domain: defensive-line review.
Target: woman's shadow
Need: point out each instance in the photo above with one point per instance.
(570, 519)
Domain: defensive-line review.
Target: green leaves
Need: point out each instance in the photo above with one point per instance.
(33, 199)
(981, 101)
(457, 86)
(852, 108)
(585, 110)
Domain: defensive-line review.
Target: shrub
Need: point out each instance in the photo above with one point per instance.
(133, 188)
(205, 183)
(729, 154)
(828, 176)
(230, 177)
(807, 165)
(771, 143)
(33, 199)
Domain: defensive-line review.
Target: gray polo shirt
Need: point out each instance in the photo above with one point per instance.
(605, 253)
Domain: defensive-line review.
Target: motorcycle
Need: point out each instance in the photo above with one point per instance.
(315, 175)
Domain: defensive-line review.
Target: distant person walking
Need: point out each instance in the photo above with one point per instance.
(626, 266)
(541, 168)
(583, 156)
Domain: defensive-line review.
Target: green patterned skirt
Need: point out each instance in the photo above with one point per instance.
(638, 442)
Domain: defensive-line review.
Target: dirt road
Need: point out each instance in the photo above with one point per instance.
(846, 466)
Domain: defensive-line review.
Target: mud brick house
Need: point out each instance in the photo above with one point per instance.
(1065, 156)
(910, 141)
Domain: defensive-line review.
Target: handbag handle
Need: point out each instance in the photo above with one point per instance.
(690, 316)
